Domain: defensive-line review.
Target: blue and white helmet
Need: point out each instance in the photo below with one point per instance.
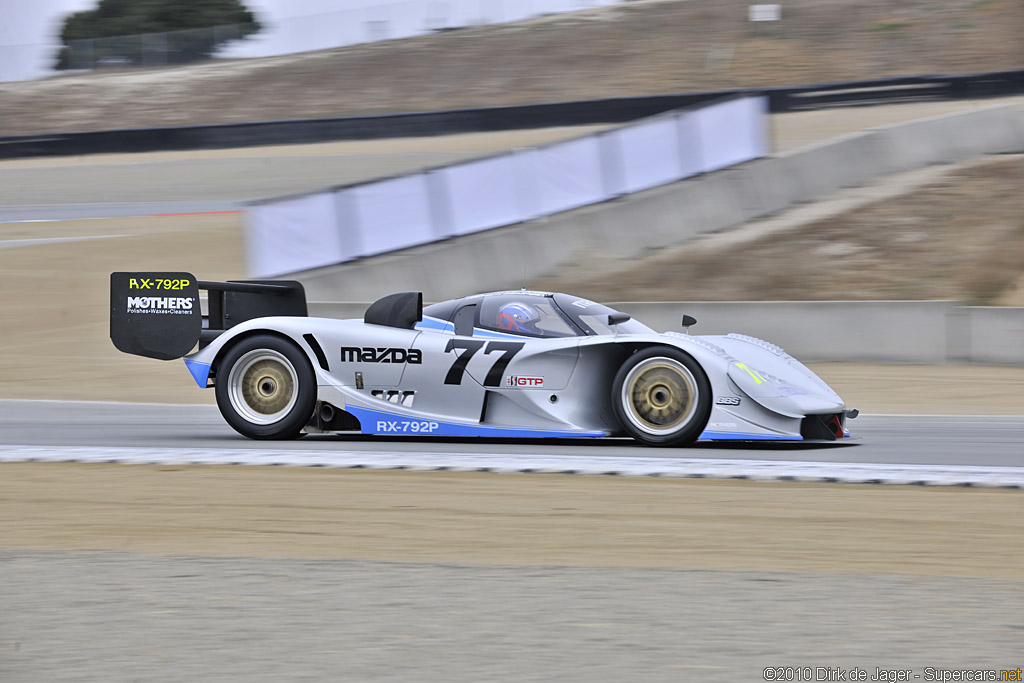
(518, 317)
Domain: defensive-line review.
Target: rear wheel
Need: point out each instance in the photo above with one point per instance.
(266, 388)
(662, 397)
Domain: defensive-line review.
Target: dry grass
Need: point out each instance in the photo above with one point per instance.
(961, 237)
(637, 48)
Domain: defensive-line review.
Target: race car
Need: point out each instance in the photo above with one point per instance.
(500, 364)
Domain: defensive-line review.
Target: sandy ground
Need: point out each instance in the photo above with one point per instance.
(525, 520)
(55, 299)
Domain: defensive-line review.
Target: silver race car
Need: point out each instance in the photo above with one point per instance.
(503, 364)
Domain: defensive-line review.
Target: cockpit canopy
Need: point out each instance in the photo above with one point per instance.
(527, 314)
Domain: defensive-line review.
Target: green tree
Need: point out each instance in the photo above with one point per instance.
(117, 27)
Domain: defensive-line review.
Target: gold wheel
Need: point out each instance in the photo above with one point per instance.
(262, 386)
(659, 395)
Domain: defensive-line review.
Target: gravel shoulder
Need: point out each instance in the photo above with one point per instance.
(98, 617)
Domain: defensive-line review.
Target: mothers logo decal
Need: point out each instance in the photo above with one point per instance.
(160, 304)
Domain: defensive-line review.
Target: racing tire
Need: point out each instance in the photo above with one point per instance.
(266, 388)
(662, 397)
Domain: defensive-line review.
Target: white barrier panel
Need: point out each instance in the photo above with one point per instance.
(294, 234)
(732, 132)
(483, 194)
(393, 214)
(562, 176)
(649, 154)
(515, 187)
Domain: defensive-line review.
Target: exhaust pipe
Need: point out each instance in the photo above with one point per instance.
(326, 413)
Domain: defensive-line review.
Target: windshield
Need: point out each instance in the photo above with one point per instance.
(593, 317)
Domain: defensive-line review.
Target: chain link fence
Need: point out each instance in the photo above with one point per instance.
(151, 49)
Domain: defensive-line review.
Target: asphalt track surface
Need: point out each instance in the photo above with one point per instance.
(123, 185)
(919, 440)
(189, 186)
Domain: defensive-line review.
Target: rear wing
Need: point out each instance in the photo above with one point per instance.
(159, 315)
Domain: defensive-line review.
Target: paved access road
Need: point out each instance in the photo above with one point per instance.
(923, 440)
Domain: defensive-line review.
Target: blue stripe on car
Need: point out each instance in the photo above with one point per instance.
(429, 323)
(741, 436)
(379, 422)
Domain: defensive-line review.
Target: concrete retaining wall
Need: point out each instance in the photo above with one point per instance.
(993, 335)
(630, 225)
(930, 332)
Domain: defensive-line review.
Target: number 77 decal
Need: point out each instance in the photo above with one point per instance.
(469, 348)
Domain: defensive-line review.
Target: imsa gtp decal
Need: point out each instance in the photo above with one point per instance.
(524, 382)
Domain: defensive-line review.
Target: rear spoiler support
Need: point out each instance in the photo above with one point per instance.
(236, 301)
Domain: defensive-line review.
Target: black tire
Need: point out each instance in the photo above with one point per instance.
(662, 397)
(266, 388)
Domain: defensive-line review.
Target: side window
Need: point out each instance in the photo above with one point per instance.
(529, 316)
(463, 320)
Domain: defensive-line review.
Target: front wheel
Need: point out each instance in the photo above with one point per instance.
(662, 397)
(266, 388)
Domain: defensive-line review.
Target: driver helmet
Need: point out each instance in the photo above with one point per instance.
(518, 317)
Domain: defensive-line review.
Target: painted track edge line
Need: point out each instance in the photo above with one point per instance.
(752, 470)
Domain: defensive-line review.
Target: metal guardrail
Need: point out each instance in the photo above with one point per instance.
(615, 110)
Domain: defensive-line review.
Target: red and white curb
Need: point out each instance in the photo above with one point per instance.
(697, 468)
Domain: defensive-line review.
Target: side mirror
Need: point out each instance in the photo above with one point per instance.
(616, 318)
(687, 321)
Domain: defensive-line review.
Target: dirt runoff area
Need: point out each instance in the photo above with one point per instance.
(641, 47)
(523, 520)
